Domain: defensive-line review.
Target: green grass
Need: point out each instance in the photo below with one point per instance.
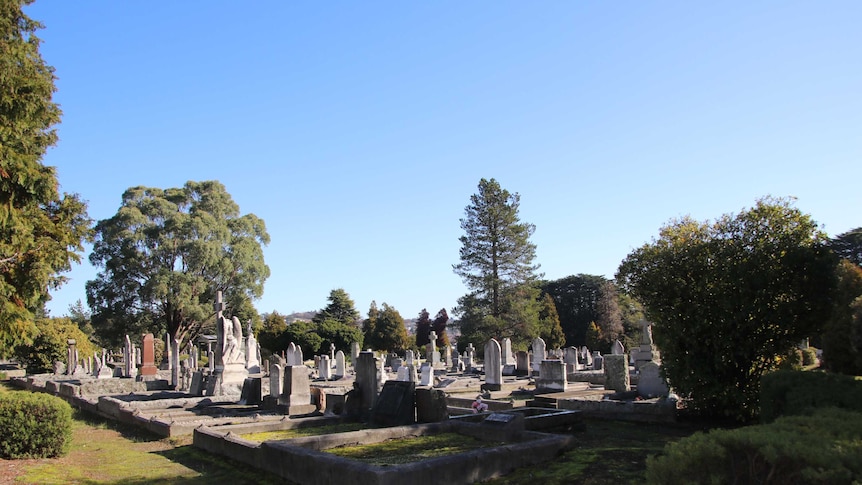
(407, 450)
(607, 452)
(300, 432)
(105, 452)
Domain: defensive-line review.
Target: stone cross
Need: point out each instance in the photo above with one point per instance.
(331, 351)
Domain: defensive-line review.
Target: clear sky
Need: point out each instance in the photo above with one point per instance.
(359, 130)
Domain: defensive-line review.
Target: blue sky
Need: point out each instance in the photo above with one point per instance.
(359, 130)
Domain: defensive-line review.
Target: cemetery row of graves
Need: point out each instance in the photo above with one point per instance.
(366, 417)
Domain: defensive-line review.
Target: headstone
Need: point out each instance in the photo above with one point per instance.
(175, 363)
(275, 379)
(586, 358)
(230, 371)
(471, 357)
(403, 374)
(296, 389)
(71, 357)
(456, 360)
(493, 366)
(367, 381)
(251, 391)
(196, 388)
(508, 356)
(148, 366)
(426, 375)
(129, 369)
(331, 351)
(324, 370)
(647, 351)
(650, 382)
(105, 371)
(339, 365)
(572, 360)
(616, 372)
(538, 353)
(59, 367)
(409, 357)
(252, 352)
(431, 354)
(395, 406)
(552, 376)
(290, 355)
(598, 360)
(397, 363)
(431, 405)
(354, 352)
(522, 363)
(617, 348)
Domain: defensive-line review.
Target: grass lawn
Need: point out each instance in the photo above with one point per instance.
(300, 432)
(398, 451)
(105, 452)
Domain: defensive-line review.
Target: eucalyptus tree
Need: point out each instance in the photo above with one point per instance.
(165, 254)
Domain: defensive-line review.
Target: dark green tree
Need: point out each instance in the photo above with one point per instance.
(423, 328)
(497, 267)
(41, 231)
(391, 334)
(164, 255)
(549, 323)
(272, 334)
(842, 335)
(369, 326)
(339, 333)
(441, 320)
(576, 298)
(729, 297)
(849, 246)
(306, 335)
(608, 316)
(340, 308)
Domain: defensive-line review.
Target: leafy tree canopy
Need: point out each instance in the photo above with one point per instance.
(576, 298)
(842, 336)
(51, 343)
(390, 334)
(729, 297)
(164, 255)
(849, 246)
(41, 232)
(340, 308)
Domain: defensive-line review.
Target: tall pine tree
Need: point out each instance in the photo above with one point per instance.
(497, 267)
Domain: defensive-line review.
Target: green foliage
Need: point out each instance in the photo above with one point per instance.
(576, 298)
(842, 335)
(389, 332)
(369, 326)
(791, 360)
(338, 333)
(305, 335)
(34, 425)
(823, 448)
(51, 343)
(340, 308)
(423, 328)
(41, 232)
(441, 320)
(741, 291)
(166, 253)
(497, 267)
(849, 246)
(272, 333)
(788, 392)
(608, 315)
(549, 324)
(594, 338)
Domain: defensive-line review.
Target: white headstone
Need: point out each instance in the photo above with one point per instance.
(493, 366)
(339, 364)
(538, 353)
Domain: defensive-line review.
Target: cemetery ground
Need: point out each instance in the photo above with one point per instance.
(107, 452)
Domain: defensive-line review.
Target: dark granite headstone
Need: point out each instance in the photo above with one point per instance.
(196, 388)
(251, 391)
(431, 406)
(395, 404)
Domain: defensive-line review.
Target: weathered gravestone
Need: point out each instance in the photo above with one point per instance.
(493, 366)
(539, 354)
(251, 391)
(148, 366)
(340, 368)
(552, 377)
(616, 372)
(650, 382)
(571, 358)
(431, 405)
(395, 406)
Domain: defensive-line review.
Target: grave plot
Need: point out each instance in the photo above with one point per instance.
(479, 451)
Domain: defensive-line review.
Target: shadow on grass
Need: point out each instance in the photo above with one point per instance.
(128, 431)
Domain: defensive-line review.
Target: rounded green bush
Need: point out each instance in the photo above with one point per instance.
(34, 425)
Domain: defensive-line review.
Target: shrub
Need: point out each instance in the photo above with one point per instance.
(823, 448)
(51, 343)
(34, 425)
(795, 392)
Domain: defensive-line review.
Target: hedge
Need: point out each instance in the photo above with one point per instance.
(825, 448)
(34, 425)
(794, 392)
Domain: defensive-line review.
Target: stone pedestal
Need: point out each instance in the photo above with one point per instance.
(552, 377)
